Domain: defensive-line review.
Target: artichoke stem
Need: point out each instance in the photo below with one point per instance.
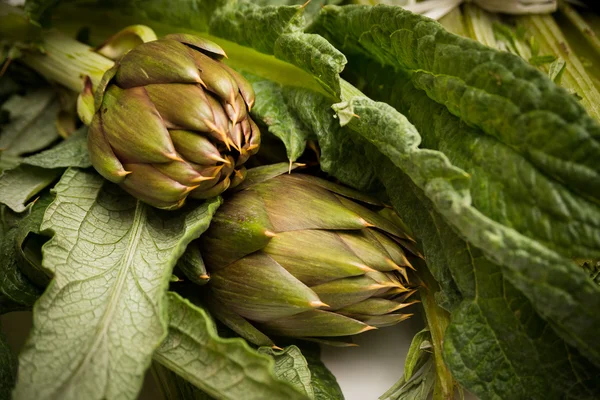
(67, 61)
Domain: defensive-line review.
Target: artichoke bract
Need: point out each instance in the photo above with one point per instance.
(298, 256)
(173, 121)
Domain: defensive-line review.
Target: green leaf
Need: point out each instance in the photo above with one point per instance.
(541, 60)
(315, 55)
(419, 387)
(556, 286)
(257, 27)
(112, 258)
(8, 369)
(174, 387)
(271, 108)
(552, 293)
(504, 340)
(19, 185)
(264, 41)
(556, 70)
(72, 152)
(313, 109)
(192, 266)
(223, 368)
(16, 290)
(32, 124)
(291, 367)
(592, 267)
(324, 383)
(508, 99)
(20, 283)
(39, 10)
(420, 343)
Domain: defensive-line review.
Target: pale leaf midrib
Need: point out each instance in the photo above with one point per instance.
(103, 325)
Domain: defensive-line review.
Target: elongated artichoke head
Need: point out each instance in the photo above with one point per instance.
(297, 256)
(172, 121)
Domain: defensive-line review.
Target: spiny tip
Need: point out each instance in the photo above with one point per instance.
(270, 234)
(365, 268)
(201, 178)
(392, 264)
(318, 304)
(366, 223)
(367, 328)
(275, 347)
(233, 144)
(377, 286)
(123, 173)
(189, 189)
(174, 157)
(201, 82)
(204, 277)
(218, 158)
(238, 173)
(408, 264)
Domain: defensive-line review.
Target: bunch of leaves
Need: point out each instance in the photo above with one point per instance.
(490, 163)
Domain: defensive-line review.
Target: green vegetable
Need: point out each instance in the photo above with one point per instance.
(336, 270)
(192, 133)
(505, 213)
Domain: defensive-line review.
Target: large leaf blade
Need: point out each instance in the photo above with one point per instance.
(500, 93)
(112, 258)
(223, 368)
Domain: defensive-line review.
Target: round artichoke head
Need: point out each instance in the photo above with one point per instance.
(173, 121)
(297, 256)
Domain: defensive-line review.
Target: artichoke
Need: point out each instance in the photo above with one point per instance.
(172, 121)
(297, 256)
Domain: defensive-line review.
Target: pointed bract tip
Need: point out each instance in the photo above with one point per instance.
(365, 268)
(123, 173)
(201, 82)
(233, 144)
(201, 178)
(408, 264)
(219, 159)
(270, 234)
(238, 173)
(377, 286)
(366, 223)
(204, 276)
(174, 157)
(190, 188)
(392, 264)
(318, 304)
(367, 328)
(275, 347)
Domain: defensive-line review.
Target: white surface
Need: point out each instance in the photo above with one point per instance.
(368, 371)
